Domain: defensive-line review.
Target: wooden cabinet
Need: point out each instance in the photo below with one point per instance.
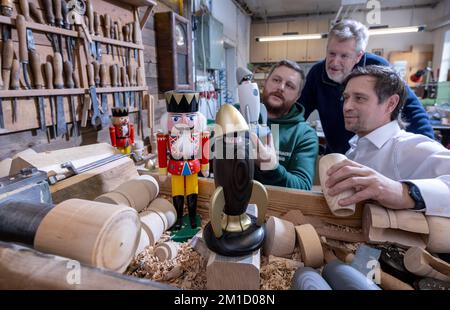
(296, 50)
(258, 50)
(277, 50)
(316, 49)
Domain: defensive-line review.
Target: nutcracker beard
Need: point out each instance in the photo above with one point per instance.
(184, 145)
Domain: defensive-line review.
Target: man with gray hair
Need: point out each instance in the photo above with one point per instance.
(347, 41)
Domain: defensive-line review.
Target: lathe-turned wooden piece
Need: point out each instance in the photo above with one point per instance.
(280, 237)
(310, 246)
(422, 263)
(167, 250)
(166, 210)
(324, 164)
(153, 225)
(94, 233)
(439, 237)
(402, 227)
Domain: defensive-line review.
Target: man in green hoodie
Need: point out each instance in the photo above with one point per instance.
(296, 141)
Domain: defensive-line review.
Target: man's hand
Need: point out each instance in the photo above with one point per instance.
(368, 185)
(266, 155)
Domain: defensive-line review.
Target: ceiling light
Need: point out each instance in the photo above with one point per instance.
(385, 30)
(291, 37)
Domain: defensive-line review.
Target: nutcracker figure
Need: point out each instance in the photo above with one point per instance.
(183, 150)
(122, 131)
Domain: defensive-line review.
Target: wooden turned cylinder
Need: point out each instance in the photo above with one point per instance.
(167, 250)
(98, 234)
(310, 246)
(151, 184)
(324, 164)
(438, 238)
(115, 199)
(144, 242)
(138, 191)
(280, 237)
(153, 225)
(166, 210)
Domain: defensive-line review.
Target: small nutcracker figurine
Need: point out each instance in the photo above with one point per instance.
(122, 131)
(183, 150)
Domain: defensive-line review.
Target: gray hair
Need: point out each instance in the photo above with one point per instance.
(290, 64)
(351, 29)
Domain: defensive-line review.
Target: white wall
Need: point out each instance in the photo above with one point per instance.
(441, 56)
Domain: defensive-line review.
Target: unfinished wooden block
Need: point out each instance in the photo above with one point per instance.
(144, 242)
(94, 233)
(324, 164)
(439, 237)
(167, 250)
(233, 273)
(310, 246)
(402, 227)
(153, 225)
(137, 191)
(280, 237)
(422, 263)
(115, 198)
(166, 210)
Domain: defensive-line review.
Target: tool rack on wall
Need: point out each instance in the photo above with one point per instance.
(56, 57)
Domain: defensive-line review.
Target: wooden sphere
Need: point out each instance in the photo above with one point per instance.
(94, 233)
(310, 246)
(324, 164)
(280, 237)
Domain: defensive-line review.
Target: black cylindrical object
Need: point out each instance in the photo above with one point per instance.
(307, 278)
(341, 276)
(19, 220)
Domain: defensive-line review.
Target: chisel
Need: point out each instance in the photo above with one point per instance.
(35, 62)
(59, 23)
(7, 57)
(107, 20)
(23, 49)
(95, 118)
(15, 72)
(48, 74)
(132, 76)
(6, 10)
(104, 97)
(98, 45)
(58, 83)
(114, 83)
(125, 83)
(68, 78)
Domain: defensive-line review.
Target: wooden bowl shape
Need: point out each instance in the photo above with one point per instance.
(324, 164)
(310, 246)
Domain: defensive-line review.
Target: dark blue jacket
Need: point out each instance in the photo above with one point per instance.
(325, 95)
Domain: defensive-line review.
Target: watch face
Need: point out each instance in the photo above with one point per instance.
(180, 35)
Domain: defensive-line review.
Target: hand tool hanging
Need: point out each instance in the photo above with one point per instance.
(7, 57)
(15, 74)
(50, 17)
(90, 16)
(77, 10)
(70, 45)
(132, 77)
(107, 22)
(140, 79)
(35, 62)
(59, 23)
(126, 38)
(26, 42)
(137, 38)
(6, 10)
(95, 118)
(125, 83)
(48, 74)
(70, 84)
(118, 36)
(58, 83)
(104, 96)
(98, 45)
(114, 83)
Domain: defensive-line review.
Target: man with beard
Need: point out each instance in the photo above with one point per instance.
(296, 140)
(398, 169)
(347, 41)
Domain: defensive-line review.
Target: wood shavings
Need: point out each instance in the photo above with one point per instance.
(276, 274)
(187, 270)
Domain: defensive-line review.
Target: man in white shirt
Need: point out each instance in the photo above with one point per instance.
(399, 170)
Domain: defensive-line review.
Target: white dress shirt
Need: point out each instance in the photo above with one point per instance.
(404, 156)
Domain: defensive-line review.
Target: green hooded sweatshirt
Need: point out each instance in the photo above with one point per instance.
(297, 147)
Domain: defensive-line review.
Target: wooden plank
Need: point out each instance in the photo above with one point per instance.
(94, 182)
(24, 268)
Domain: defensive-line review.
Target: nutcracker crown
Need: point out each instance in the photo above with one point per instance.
(182, 101)
(119, 112)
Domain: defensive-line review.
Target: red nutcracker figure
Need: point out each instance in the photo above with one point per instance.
(183, 150)
(121, 131)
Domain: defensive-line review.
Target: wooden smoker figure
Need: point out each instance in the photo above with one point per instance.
(183, 150)
(232, 232)
(122, 131)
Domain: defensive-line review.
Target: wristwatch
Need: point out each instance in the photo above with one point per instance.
(414, 193)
